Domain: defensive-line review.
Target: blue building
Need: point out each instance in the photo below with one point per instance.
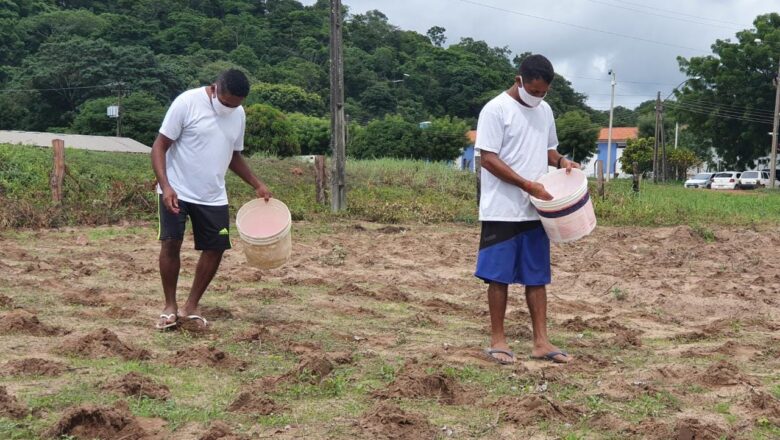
(466, 159)
(620, 137)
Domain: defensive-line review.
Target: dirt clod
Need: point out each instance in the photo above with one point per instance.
(220, 431)
(531, 409)
(692, 429)
(136, 385)
(254, 403)
(206, 357)
(723, 373)
(101, 344)
(33, 367)
(97, 422)
(414, 382)
(315, 366)
(626, 339)
(22, 322)
(10, 407)
(387, 421)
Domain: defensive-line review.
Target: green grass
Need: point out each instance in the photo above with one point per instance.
(671, 204)
(106, 188)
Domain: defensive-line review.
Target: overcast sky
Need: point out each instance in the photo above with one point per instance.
(684, 27)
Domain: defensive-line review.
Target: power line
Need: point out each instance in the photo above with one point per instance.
(622, 81)
(664, 16)
(718, 113)
(739, 111)
(710, 104)
(578, 26)
(681, 13)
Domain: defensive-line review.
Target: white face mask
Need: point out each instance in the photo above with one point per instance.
(219, 108)
(531, 100)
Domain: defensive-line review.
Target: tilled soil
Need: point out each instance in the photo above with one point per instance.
(377, 332)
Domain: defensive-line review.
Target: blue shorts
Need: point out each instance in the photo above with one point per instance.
(514, 253)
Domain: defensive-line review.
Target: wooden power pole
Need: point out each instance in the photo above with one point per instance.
(337, 120)
(662, 131)
(776, 120)
(657, 137)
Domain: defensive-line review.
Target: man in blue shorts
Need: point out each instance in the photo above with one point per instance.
(517, 141)
(201, 137)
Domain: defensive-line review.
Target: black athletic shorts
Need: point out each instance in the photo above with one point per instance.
(210, 224)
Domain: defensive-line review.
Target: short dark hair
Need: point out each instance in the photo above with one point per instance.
(537, 67)
(234, 81)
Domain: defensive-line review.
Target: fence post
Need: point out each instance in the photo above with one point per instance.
(320, 179)
(636, 177)
(478, 171)
(600, 177)
(58, 173)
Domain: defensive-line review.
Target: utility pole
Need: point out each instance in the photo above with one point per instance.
(609, 135)
(337, 119)
(676, 133)
(663, 145)
(657, 137)
(119, 111)
(773, 157)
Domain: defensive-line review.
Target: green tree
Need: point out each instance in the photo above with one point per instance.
(286, 97)
(444, 139)
(313, 133)
(269, 130)
(82, 69)
(142, 114)
(577, 135)
(436, 35)
(640, 151)
(679, 160)
(729, 97)
(390, 136)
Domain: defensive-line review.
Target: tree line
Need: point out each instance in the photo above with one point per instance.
(63, 61)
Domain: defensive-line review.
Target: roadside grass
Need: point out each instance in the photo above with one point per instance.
(107, 188)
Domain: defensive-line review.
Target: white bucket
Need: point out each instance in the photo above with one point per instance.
(265, 228)
(569, 216)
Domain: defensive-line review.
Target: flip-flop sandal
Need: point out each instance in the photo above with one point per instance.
(167, 324)
(197, 318)
(491, 352)
(551, 356)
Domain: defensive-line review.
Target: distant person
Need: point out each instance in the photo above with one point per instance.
(517, 141)
(201, 136)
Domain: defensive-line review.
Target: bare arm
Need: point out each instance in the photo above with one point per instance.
(159, 148)
(553, 156)
(239, 166)
(497, 167)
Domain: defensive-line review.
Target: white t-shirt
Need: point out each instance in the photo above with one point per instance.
(520, 136)
(203, 147)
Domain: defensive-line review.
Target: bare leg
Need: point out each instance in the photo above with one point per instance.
(497, 298)
(169, 273)
(536, 297)
(204, 273)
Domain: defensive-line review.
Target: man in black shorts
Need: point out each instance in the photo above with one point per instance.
(201, 136)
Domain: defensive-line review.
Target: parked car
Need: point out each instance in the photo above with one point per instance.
(726, 180)
(701, 180)
(754, 179)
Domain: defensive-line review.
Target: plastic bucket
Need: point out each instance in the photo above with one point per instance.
(569, 216)
(265, 229)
